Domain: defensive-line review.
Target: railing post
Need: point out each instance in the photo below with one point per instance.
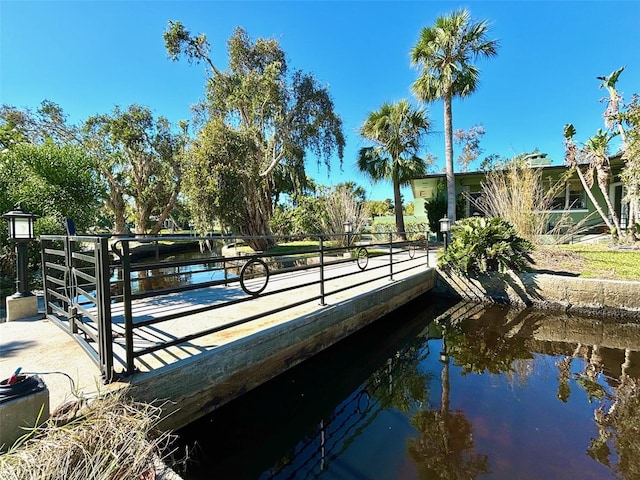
(103, 298)
(69, 289)
(126, 298)
(391, 256)
(426, 239)
(322, 302)
(44, 245)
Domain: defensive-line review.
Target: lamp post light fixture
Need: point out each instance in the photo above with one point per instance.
(348, 228)
(444, 355)
(445, 227)
(21, 232)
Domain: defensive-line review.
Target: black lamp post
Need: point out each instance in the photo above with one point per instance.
(21, 232)
(445, 227)
(348, 228)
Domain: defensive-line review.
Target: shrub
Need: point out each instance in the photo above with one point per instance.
(381, 230)
(483, 244)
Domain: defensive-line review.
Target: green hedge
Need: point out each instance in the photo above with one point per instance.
(381, 230)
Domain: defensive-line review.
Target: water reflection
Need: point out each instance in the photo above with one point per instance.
(457, 391)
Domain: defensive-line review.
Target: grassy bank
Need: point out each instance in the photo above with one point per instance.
(589, 261)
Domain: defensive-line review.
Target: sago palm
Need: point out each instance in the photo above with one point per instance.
(445, 52)
(397, 131)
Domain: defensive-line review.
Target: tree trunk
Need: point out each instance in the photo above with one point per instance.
(592, 198)
(603, 183)
(397, 199)
(256, 219)
(165, 213)
(448, 145)
(142, 214)
(116, 204)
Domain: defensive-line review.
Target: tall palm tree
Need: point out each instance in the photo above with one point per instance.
(445, 52)
(397, 131)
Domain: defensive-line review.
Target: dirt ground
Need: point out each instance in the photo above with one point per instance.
(554, 260)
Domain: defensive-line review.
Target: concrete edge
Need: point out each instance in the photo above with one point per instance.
(604, 298)
(193, 387)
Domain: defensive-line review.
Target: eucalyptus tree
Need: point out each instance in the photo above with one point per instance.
(140, 158)
(258, 123)
(445, 53)
(397, 132)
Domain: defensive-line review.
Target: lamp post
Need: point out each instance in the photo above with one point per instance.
(445, 227)
(22, 303)
(444, 355)
(348, 228)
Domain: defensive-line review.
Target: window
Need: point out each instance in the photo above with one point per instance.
(572, 198)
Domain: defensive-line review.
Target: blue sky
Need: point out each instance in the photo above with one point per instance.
(89, 56)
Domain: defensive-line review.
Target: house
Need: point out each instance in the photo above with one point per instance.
(573, 199)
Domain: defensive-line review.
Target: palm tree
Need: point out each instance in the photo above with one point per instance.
(445, 52)
(396, 130)
(593, 157)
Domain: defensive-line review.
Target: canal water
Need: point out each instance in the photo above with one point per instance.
(439, 390)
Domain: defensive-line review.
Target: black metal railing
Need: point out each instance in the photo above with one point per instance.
(106, 291)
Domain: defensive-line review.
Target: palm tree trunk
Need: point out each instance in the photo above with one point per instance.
(397, 199)
(603, 183)
(448, 145)
(595, 203)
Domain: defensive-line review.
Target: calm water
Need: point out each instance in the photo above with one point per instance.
(455, 391)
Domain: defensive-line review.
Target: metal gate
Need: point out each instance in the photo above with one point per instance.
(75, 277)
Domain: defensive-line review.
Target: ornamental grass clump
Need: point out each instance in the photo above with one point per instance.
(111, 437)
(481, 245)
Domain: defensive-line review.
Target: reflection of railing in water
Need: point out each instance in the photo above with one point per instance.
(346, 423)
(112, 276)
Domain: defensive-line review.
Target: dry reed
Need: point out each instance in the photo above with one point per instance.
(518, 195)
(112, 438)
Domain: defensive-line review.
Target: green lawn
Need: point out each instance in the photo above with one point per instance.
(600, 261)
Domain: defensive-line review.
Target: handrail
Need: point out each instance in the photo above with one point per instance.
(112, 281)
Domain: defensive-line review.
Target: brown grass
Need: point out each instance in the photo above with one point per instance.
(111, 437)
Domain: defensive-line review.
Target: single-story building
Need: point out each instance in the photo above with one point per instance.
(572, 200)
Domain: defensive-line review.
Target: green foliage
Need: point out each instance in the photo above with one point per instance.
(304, 217)
(483, 244)
(397, 132)
(409, 209)
(436, 207)
(51, 181)
(259, 121)
(415, 230)
(444, 53)
(47, 124)
(139, 156)
(380, 207)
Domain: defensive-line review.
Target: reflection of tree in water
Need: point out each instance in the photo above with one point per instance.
(486, 344)
(444, 446)
(617, 416)
(492, 340)
(400, 384)
(397, 383)
(619, 426)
